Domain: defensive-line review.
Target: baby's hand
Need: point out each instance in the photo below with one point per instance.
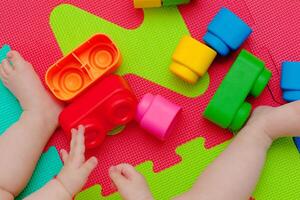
(76, 171)
(130, 183)
(277, 122)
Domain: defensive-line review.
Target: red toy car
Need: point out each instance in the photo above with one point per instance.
(107, 104)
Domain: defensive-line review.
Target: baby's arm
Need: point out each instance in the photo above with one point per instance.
(234, 174)
(74, 174)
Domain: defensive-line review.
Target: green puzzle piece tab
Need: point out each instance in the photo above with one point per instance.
(48, 167)
(10, 108)
(146, 51)
(279, 180)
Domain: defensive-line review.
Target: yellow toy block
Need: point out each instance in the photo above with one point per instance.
(147, 3)
(191, 59)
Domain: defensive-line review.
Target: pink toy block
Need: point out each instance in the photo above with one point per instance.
(157, 115)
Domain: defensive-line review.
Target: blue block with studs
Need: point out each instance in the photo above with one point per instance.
(226, 32)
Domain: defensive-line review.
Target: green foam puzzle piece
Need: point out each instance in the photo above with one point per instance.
(146, 51)
(174, 180)
(247, 76)
(279, 180)
(48, 167)
(10, 109)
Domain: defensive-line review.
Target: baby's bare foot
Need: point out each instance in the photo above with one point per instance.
(20, 78)
(130, 184)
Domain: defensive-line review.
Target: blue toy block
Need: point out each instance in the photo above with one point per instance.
(226, 32)
(48, 167)
(290, 81)
(290, 85)
(290, 76)
(297, 143)
(290, 96)
(10, 109)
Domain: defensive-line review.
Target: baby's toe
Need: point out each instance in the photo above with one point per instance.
(7, 68)
(3, 75)
(16, 59)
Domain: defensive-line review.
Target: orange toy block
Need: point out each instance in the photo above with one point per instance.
(92, 60)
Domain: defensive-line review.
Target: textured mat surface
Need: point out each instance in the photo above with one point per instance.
(48, 167)
(30, 33)
(190, 126)
(179, 178)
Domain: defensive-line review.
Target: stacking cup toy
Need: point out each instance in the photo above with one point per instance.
(107, 104)
(157, 115)
(92, 60)
(191, 59)
(226, 32)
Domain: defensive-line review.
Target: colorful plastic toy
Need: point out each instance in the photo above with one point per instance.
(290, 85)
(157, 115)
(175, 2)
(158, 3)
(297, 142)
(290, 81)
(147, 3)
(95, 58)
(247, 76)
(106, 105)
(226, 32)
(191, 59)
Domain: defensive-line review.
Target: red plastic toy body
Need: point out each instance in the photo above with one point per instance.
(107, 104)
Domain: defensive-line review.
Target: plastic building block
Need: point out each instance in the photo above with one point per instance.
(134, 52)
(157, 115)
(247, 76)
(290, 81)
(226, 32)
(9, 105)
(191, 59)
(92, 60)
(107, 104)
(290, 85)
(175, 2)
(147, 3)
(297, 142)
(47, 167)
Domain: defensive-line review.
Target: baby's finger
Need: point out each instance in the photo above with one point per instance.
(116, 176)
(128, 171)
(73, 142)
(79, 148)
(64, 155)
(89, 166)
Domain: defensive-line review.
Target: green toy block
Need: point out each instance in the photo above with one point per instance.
(247, 76)
(175, 2)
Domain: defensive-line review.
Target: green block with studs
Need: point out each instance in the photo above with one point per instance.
(247, 76)
(174, 2)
